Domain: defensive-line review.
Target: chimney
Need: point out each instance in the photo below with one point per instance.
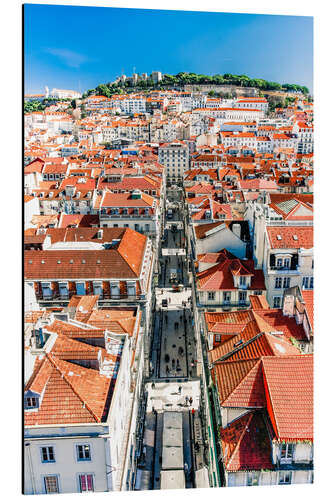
(288, 305)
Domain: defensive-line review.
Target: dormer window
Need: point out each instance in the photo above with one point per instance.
(31, 402)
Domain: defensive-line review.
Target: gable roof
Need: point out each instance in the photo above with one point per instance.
(220, 276)
(72, 394)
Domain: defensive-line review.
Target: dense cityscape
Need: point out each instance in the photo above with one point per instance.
(168, 284)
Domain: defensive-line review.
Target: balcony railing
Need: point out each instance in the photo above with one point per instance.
(105, 296)
(283, 270)
(126, 216)
(212, 304)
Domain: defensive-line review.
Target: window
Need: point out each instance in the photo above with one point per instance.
(115, 291)
(232, 479)
(277, 302)
(242, 280)
(279, 263)
(63, 290)
(51, 484)
(305, 282)
(287, 263)
(80, 288)
(285, 477)
(31, 402)
(242, 296)
(86, 482)
(97, 288)
(286, 452)
(47, 292)
(217, 338)
(211, 295)
(311, 282)
(83, 452)
(226, 296)
(47, 454)
(252, 478)
(131, 288)
(286, 282)
(278, 282)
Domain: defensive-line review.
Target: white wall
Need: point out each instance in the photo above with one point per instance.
(223, 238)
(66, 465)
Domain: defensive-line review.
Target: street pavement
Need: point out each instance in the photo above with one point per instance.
(166, 396)
(173, 381)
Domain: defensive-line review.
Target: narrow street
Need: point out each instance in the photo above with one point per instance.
(172, 452)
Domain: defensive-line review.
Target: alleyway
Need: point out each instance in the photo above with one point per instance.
(173, 385)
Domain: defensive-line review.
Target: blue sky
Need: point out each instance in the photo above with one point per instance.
(80, 47)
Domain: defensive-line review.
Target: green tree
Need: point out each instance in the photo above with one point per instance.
(33, 106)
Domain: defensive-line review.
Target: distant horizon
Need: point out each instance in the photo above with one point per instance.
(68, 55)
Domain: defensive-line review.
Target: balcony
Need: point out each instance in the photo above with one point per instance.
(55, 296)
(126, 216)
(224, 305)
(275, 270)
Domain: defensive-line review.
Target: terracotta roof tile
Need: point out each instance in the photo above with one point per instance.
(246, 444)
(283, 236)
(289, 393)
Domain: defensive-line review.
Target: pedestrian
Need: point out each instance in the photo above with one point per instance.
(169, 300)
(179, 389)
(191, 401)
(167, 369)
(153, 385)
(193, 412)
(186, 400)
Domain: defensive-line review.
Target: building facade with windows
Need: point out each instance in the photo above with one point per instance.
(224, 281)
(282, 234)
(175, 157)
(137, 211)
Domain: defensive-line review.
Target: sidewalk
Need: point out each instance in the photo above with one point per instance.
(176, 298)
(165, 396)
